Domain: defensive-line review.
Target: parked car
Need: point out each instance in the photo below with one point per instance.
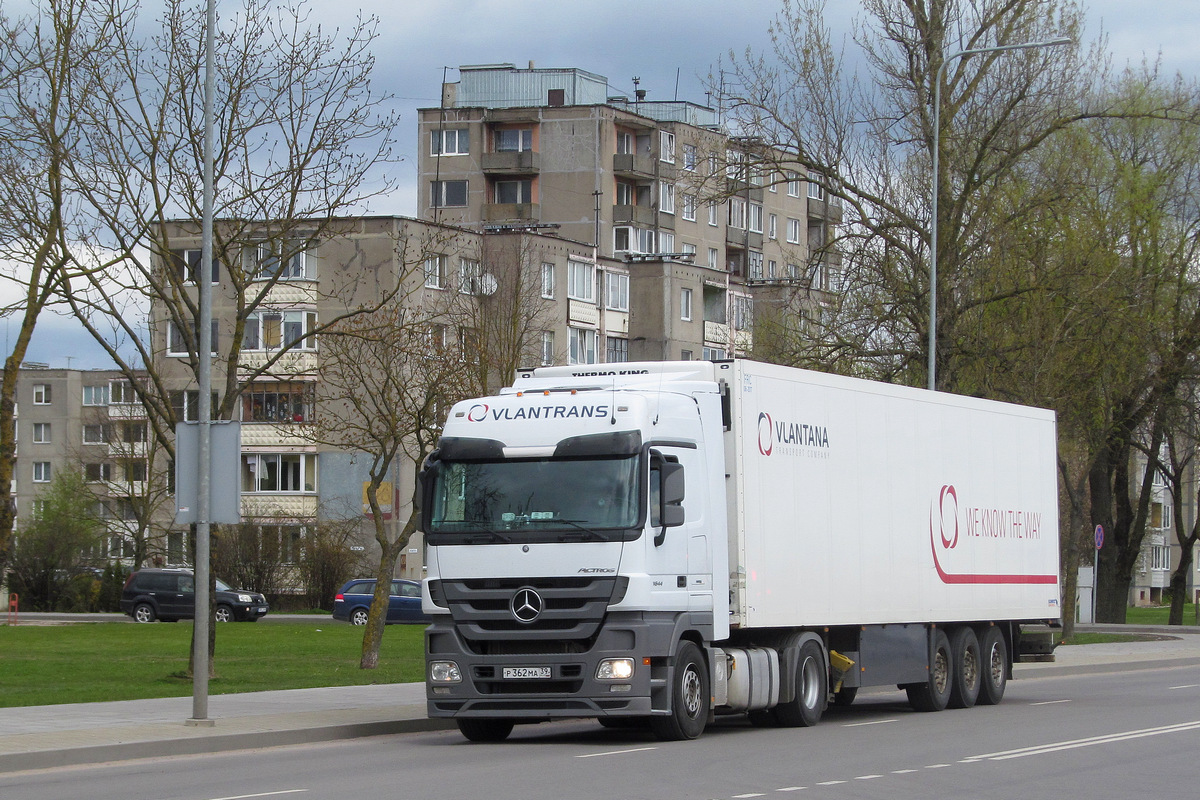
(170, 594)
(352, 603)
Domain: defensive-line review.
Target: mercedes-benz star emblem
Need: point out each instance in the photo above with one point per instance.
(526, 605)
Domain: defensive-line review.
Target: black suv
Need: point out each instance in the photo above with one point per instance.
(170, 594)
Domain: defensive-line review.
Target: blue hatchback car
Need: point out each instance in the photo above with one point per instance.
(352, 603)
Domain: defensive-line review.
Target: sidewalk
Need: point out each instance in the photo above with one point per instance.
(39, 737)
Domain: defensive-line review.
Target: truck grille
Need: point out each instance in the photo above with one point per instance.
(569, 609)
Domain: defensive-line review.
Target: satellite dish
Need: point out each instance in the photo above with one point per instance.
(488, 284)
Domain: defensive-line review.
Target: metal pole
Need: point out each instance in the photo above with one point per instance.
(204, 379)
(933, 222)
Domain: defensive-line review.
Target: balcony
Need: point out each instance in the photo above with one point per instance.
(632, 165)
(642, 216)
(742, 238)
(744, 190)
(830, 211)
(512, 212)
(293, 362)
(511, 162)
(279, 505)
(716, 333)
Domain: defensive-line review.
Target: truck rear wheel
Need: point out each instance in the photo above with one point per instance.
(964, 647)
(690, 696)
(812, 681)
(934, 693)
(994, 667)
(485, 730)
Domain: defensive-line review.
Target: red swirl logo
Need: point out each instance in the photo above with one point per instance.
(765, 442)
(478, 413)
(948, 510)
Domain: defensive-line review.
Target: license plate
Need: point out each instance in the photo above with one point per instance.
(261, 610)
(525, 673)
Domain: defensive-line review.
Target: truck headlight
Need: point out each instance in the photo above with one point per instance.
(444, 672)
(614, 669)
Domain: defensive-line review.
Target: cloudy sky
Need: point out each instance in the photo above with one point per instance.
(670, 45)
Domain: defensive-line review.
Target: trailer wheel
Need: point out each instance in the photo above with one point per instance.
(485, 730)
(690, 696)
(812, 682)
(964, 647)
(994, 667)
(934, 693)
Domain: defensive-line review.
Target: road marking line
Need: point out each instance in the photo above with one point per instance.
(790, 789)
(1072, 744)
(261, 794)
(873, 722)
(617, 752)
(1187, 686)
(903, 771)
(743, 796)
(867, 777)
(1049, 702)
(936, 766)
(829, 783)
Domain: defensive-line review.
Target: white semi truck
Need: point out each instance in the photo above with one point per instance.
(661, 543)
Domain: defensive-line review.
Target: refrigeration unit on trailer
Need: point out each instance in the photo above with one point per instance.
(665, 542)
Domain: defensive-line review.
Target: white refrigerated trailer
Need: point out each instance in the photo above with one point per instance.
(665, 542)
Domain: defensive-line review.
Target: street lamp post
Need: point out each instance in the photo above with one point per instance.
(933, 223)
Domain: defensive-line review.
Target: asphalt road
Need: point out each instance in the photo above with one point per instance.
(1112, 735)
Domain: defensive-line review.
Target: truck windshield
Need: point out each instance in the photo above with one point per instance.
(536, 495)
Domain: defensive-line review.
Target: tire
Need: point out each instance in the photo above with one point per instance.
(812, 689)
(144, 612)
(690, 696)
(966, 668)
(223, 614)
(993, 667)
(845, 696)
(934, 693)
(359, 617)
(485, 730)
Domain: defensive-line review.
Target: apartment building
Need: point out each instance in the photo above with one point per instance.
(92, 421)
(708, 226)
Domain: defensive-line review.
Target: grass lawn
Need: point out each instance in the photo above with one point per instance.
(1157, 615)
(89, 662)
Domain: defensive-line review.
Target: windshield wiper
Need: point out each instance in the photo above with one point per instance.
(579, 527)
(488, 536)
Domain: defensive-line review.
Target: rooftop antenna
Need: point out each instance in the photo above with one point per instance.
(638, 94)
(677, 84)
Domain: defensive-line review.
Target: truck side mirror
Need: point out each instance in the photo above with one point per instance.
(666, 495)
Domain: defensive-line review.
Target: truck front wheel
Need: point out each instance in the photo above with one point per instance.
(485, 730)
(690, 697)
(934, 693)
(812, 680)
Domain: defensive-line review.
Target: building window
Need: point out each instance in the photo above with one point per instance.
(518, 191)
(743, 311)
(285, 260)
(815, 190)
(772, 226)
(689, 207)
(548, 280)
(735, 165)
(712, 213)
(713, 354)
(446, 194)
(41, 433)
(626, 143)
(133, 432)
(714, 258)
(435, 272)
(581, 281)
(454, 142)
(688, 250)
(793, 183)
(583, 346)
(772, 268)
(95, 473)
(95, 395)
(685, 355)
(274, 330)
(633, 240)
(41, 394)
(186, 263)
(282, 544)
(177, 345)
(666, 197)
(547, 348)
(737, 212)
(756, 217)
(690, 156)
(186, 405)
(41, 472)
(793, 231)
(279, 472)
(755, 272)
(271, 401)
(666, 146)
(616, 291)
(685, 304)
(96, 434)
(470, 276)
(135, 470)
(122, 393)
(616, 349)
(666, 242)
(512, 140)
